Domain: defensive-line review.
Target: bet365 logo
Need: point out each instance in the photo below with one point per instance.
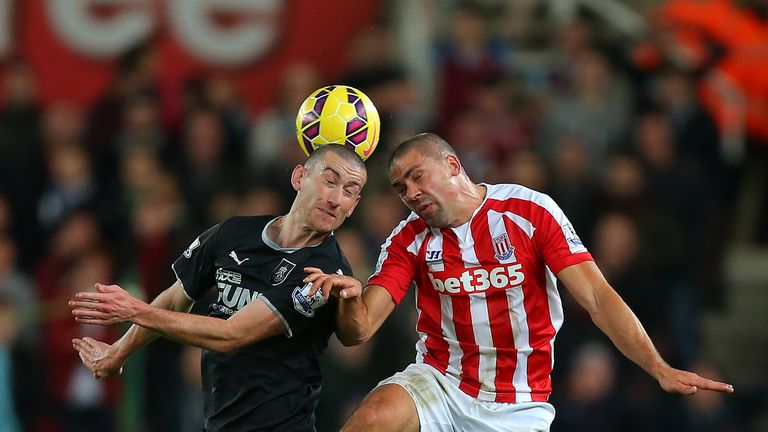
(480, 279)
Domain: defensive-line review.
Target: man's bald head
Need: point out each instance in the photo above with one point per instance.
(340, 150)
(427, 144)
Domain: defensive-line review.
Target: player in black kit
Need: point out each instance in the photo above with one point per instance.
(263, 337)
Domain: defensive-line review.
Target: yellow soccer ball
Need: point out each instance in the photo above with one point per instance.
(338, 114)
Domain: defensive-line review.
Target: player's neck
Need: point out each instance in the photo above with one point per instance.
(287, 232)
(469, 199)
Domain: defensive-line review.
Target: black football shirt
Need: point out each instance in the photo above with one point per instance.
(273, 384)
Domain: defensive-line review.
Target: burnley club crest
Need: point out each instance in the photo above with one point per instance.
(281, 272)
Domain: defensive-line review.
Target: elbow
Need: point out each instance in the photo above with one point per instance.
(595, 313)
(228, 344)
(352, 341)
(594, 304)
(223, 347)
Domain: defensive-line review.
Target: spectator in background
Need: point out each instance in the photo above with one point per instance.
(261, 200)
(136, 76)
(79, 401)
(595, 109)
(673, 225)
(140, 168)
(697, 143)
(273, 144)
(20, 343)
(15, 287)
(468, 55)
(71, 186)
(496, 100)
(572, 40)
(223, 97)
(622, 186)
(77, 236)
(374, 68)
(525, 168)
(141, 126)
(572, 184)
(695, 132)
(617, 252)
(156, 238)
(20, 116)
(191, 413)
(352, 372)
(589, 402)
(352, 242)
(21, 152)
(6, 218)
(381, 211)
(465, 131)
(205, 169)
(9, 421)
(62, 125)
(370, 50)
(707, 412)
(156, 220)
(491, 118)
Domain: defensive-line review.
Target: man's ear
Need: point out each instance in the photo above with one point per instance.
(299, 172)
(349, 213)
(454, 164)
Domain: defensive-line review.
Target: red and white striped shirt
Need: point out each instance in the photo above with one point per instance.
(486, 292)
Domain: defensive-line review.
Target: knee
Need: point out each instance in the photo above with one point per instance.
(384, 410)
(367, 417)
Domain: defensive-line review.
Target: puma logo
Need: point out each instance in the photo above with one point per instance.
(233, 254)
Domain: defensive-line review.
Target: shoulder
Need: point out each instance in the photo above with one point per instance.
(240, 230)
(509, 191)
(520, 199)
(409, 227)
(239, 224)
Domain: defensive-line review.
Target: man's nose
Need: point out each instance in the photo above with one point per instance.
(412, 193)
(335, 197)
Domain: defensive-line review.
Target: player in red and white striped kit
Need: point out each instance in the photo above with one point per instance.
(484, 259)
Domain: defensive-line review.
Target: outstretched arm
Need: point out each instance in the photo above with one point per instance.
(361, 312)
(619, 323)
(106, 360)
(112, 305)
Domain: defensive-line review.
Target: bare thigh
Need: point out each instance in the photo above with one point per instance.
(387, 408)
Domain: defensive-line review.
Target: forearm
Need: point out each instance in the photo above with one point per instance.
(353, 324)
(361, 316)
(172, 299)
(204, 332)
(619, 323)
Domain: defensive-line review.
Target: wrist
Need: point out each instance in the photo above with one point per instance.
(140, 313)
(118, 351)
(659, 369)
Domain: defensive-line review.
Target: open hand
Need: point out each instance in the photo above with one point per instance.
(109, 305)
(99, 357)
(340, 286)
(679, 381)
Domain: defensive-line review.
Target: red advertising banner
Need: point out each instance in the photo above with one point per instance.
(73, 45)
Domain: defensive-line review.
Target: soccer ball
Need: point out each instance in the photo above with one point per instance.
(338, 114)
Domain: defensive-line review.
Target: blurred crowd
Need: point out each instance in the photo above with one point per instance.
(113, 192)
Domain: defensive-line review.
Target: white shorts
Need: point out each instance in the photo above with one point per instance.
(444, 407)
